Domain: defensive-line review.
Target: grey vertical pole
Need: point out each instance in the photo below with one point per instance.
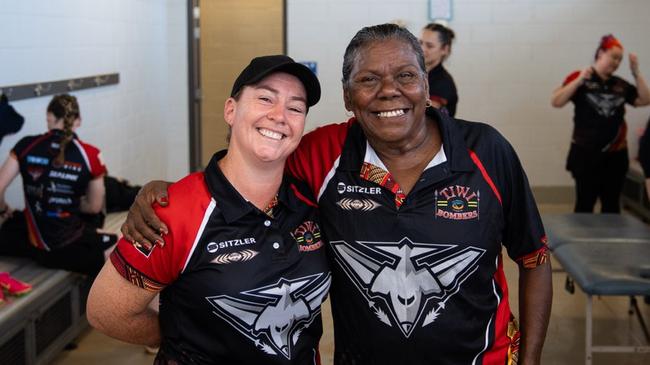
(588, 337)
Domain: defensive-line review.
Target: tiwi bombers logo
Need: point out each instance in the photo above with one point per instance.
(273, 316)
(407, 284)
(457, 202)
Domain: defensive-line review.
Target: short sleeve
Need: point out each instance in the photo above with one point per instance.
(21, 146)
(95, 161)
(148, 269)
(631, 93)
(572, 76)
(189, 202)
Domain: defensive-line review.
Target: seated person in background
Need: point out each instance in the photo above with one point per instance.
(62, 178)
(243, 272)
(644, 159)
(644, 156)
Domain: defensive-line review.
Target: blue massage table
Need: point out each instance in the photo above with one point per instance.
(605, 254)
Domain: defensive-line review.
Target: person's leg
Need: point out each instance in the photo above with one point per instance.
(13, 237)
(586, 193)
(85, 255)
(613, 177)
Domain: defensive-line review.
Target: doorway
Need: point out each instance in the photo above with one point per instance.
(224, 36)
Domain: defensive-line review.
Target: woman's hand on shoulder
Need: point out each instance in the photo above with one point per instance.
(142, 225)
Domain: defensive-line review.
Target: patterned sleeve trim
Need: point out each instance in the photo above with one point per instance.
(131, 274)
(534, 259)
(514, 336)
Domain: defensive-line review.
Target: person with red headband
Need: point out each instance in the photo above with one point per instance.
(598, 157)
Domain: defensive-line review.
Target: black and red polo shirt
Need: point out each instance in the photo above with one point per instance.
(599, 114)
(419, 279)
(53, 192)
(239, 285)
(442, 89)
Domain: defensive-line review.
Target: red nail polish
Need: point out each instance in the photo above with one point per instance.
(163, 199)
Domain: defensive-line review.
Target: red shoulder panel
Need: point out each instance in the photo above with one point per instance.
(189, 201)
(317, 153)
(572, 76)
(94, 158)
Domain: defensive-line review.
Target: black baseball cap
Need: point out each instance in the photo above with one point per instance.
(260, 67)
(10, 120)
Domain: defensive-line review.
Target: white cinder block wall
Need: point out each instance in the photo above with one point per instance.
(508, 57)
(140, 124)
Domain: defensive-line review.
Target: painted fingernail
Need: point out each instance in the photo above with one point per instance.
(160, 243)
(163, 199)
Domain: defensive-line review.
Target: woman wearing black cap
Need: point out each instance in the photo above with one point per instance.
(598, 158)
(243, 272)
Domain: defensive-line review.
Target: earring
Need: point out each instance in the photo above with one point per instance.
(349, 113)
(429, 103)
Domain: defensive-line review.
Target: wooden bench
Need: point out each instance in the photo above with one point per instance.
(34, 328)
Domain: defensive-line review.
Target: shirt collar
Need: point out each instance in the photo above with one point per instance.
(437, 69)
(372, 158)
(454, 149)
(61, 133)
(232, 205)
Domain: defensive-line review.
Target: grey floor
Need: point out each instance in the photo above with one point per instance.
(565, 340)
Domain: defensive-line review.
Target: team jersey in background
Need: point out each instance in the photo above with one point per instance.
(53, 192)
(599, 116)
(442, 89)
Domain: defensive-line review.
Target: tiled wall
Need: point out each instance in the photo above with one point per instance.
(508, 57)
(140, 124)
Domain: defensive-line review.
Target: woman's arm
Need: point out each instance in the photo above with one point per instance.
(641, 87)
(535, 298)
(120, 309)
(93, 201)
(564, 93)
(8, 173)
